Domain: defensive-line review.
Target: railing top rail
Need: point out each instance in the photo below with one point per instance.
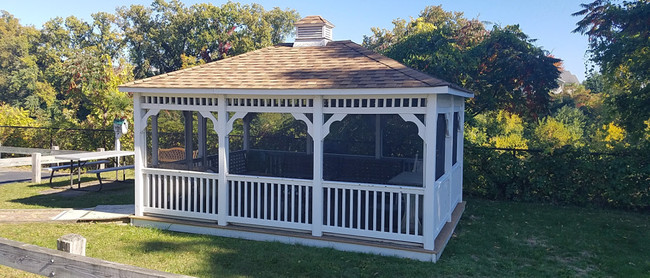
(385, 187)
(272, 179)
(179, 172)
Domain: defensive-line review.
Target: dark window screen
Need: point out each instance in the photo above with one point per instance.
(440, 146)
(454, 150)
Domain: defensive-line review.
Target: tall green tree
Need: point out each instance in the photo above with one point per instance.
(168, 35)
(19, 72)
(619, 44)
(502, 66)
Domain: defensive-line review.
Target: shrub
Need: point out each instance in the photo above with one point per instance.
(567, 175)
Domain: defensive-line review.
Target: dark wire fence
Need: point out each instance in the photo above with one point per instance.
(65, 138)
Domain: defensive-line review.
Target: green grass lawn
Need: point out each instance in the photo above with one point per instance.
(26, 195)
(493, 239)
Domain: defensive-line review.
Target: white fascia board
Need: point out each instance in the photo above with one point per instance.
(460, 93)
(302, 92)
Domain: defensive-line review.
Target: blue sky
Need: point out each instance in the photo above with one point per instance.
(549, 22)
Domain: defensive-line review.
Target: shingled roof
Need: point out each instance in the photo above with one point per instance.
(314, 19)
(338, 65)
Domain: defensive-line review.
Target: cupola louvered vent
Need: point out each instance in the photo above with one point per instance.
(313, 31)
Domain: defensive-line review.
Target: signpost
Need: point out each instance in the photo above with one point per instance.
(120, 126)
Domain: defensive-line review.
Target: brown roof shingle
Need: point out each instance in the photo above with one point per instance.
(339, 65)
(313, 19)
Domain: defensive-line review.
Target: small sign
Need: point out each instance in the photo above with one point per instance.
(120, 127)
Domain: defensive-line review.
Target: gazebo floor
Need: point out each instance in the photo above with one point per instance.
(335, 241)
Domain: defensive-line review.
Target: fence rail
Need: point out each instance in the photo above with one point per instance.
(54, 263)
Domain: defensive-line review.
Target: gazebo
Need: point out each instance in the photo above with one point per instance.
(398, 191)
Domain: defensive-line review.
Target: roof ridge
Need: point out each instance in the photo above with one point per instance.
(381, 57)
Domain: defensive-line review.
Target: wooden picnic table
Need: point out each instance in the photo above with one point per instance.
(82, 158)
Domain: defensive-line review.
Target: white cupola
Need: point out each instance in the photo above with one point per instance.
(313, 31)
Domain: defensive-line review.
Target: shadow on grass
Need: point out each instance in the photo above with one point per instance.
(231, 257)
(60, 195)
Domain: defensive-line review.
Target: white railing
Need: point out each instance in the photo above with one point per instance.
(180, 193)
(443, 205)
(385, 212)
(456, 191)
(275, 202)
(377, 211)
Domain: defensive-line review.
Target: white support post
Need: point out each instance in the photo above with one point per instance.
(428, 218)
(317, 211)
(154, 140)
(139, 146)
(222, 132)
(461, 144)
(378, 137)
(36, 167)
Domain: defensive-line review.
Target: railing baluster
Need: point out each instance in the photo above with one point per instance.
(237, 200)
(417, 215)
(300, 204)
(383, 211)
(183, 195)
(308, 204)
(259, 200)
(344, 216)
(211, 196)
(147, 190)
(176, 194)
(390, 212)
(374, 210)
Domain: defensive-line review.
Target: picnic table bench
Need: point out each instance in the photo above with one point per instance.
(53, 169)
(111, 169)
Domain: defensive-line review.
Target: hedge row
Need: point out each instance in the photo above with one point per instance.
(565, 176)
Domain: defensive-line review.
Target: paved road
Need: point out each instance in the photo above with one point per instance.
(10, 175)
